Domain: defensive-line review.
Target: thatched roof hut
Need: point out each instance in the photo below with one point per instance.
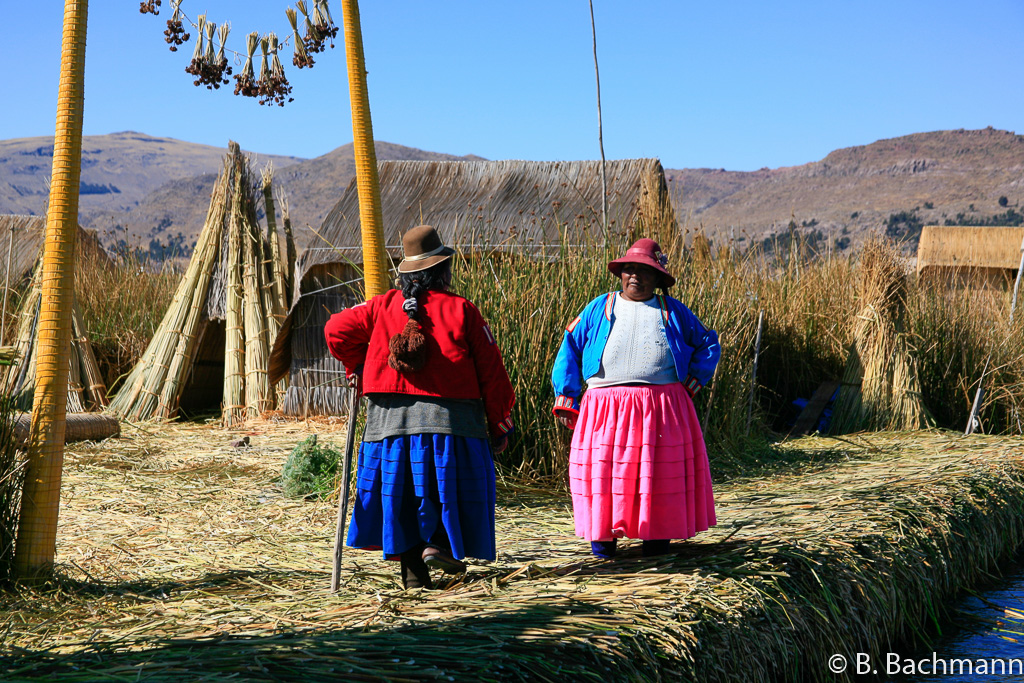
(979, 256)
(520, 206)
(24, 248)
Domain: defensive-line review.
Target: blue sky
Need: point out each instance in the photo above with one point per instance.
(735, 85)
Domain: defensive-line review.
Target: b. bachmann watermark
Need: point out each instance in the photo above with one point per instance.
(935, 665)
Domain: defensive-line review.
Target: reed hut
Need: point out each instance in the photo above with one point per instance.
(531, 207)
(961, 256)
(212, 347)
(21, 242)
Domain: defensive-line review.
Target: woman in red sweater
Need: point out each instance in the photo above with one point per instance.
(439, 403)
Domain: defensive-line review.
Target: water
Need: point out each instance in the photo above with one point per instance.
(990, 636)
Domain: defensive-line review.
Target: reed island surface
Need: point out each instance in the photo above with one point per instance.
(180, 559)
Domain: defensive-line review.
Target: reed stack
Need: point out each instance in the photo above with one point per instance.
(218, 319)
(881, 389)
(86, 388)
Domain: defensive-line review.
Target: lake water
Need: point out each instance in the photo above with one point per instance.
(991, 636)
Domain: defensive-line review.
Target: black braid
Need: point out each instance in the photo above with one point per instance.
(409, 347)
(432, 279)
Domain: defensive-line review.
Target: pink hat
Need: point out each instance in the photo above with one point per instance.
(648, 253)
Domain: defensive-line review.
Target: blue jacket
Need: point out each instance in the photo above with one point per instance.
(694, 347)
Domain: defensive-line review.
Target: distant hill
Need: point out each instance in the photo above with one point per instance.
(957, 176)
(118, 172)
(142, 188)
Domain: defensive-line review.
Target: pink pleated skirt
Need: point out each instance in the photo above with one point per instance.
(638, 467)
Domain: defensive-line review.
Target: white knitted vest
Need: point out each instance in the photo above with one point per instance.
(637, 351)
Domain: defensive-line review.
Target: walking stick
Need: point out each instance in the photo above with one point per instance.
(339, 534)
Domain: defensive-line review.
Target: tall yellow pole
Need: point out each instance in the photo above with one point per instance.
(37, 526)
(375, 259)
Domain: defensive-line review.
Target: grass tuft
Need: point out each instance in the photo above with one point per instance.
(310, 470)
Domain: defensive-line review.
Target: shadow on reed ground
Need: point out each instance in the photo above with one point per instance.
(538, 642)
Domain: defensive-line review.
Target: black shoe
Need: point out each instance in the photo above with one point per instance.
(603, 549)
(415, 573)
(655, 548)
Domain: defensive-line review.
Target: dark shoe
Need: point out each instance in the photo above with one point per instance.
(655, 548)
(443, 560)
(603, 549)
(415, 573)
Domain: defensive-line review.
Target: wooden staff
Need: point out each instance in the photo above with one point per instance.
(339, 533)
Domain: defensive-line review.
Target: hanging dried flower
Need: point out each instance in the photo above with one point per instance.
(222, 59)
(301, 58)
(207, 65)
(274, 86)
(323, 23)
(195, 67)
(264, 60)
(149, 7)
(313, 41)
(245, 82)
(221, 63)
(175, 34)
(210, 56)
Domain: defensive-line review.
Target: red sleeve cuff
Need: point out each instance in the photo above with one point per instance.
(504, 427)
(565, 404)
(691, 385)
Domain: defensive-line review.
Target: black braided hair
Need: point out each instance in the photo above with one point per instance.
(409, 347)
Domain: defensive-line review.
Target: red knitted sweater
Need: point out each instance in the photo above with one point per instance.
(463, 360)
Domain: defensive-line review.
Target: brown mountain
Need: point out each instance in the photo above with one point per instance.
(137, 187)
(960, 176)
(118, 171)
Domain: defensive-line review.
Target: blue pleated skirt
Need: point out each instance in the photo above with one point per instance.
(425, 488)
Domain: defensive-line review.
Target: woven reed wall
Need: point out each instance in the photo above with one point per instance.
(509, 205)
(316, 380)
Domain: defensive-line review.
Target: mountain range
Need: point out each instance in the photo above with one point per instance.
(139, 188)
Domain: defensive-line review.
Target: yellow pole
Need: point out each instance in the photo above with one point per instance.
(40, 501)
(375, 259)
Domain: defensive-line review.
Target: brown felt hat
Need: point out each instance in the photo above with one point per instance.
(423, 248)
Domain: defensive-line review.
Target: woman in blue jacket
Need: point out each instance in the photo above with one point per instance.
(638, 467)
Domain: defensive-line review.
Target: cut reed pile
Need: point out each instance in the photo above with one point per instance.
(209, 573)
(881, 389)
(86, 387)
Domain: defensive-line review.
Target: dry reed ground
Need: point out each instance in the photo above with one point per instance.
(180, 560)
